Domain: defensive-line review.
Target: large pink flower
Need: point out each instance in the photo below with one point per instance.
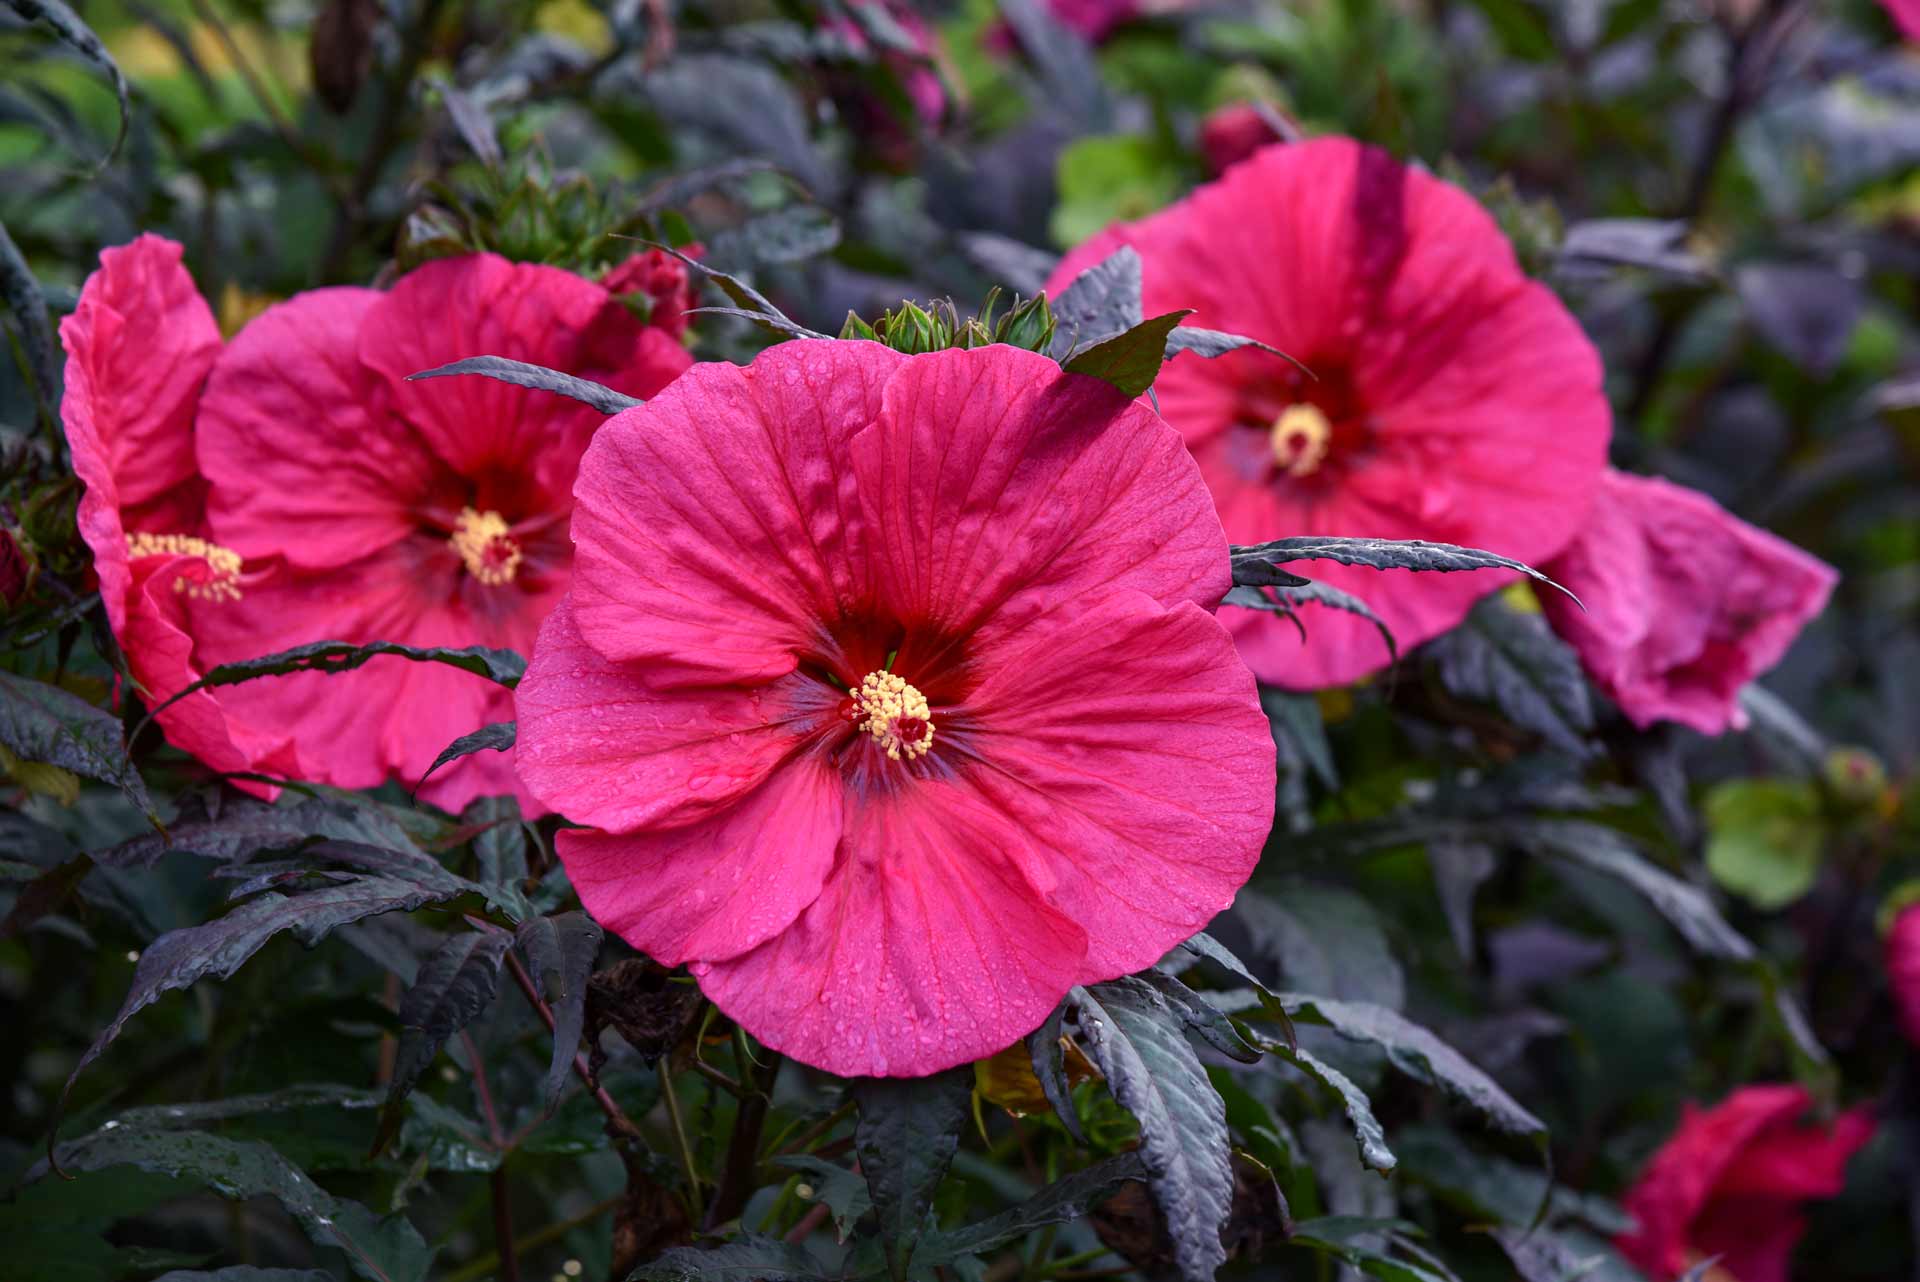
(1685, 604)
(1450, 398)
(1906, 16)
(1730, 1183)
(1903, 970)
(893, 689)
(293, 487)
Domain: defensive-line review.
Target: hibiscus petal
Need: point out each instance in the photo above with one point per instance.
(1685, 603)
(720, 886)
(604, 746)
(139, 346)
(927, 948)
(483, 305)
(716, 533)
(997, 488)
(303, 462)
(1125, 739)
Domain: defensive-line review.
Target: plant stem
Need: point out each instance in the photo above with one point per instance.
(679, 1128)
(812, 1220)
(503, 1226)
(616, 1116)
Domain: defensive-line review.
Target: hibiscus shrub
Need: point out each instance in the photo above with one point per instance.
(1017, 642)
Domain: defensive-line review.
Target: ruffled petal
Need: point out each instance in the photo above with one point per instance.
(601, 744)
(304, 459)
(717, 887)
(1126, 740)
(716, 530)
(1685, 603)
(997, 486)
(926, 948)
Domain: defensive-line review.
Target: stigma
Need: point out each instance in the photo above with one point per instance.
(482, 541)
(895, 714)
(1300, 438)
(218, 581)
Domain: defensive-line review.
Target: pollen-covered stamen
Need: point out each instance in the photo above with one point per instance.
(481, 539)
(219, 581)
(1300, 438)
(896, 715)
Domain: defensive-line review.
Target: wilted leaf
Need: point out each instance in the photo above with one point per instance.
(538, 377)
(1141, 1047)
(45, 724)
(1514, 661)
(386, 1250)
(560, 952)
(906, 1137)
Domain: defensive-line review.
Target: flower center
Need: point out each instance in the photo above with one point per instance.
(1300, 438)
(220, 581)
(482, 542)
(895, 714)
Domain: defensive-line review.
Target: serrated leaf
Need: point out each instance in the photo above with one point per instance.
(1140, 1046)
(1101, 301)
(1212, 1026)
(244, 826)
(20, 290)
(1065, 1199)
(751, 303)
(453, 986)
(1132, 360)
(1605, 850)
(45, 724)
(497, 736)
(77, 35)
(1368, 1135)
(1377, 554)
(1514, 661)
(386, 1250)
(560, 952)
(1205, 947)
(1050, 1070)
(220, 947)
(1214, 343)
(1324, 940)
(505, 667)
(750, 1257)
(537, 377)
(906, 1137)
(1417, 1051)
(841, 1191)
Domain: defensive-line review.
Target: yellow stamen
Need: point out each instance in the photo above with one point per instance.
(481, 540)
(223, 564)
(1300, 438)
(897, 715)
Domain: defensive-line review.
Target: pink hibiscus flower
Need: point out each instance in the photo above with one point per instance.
(1906, 16)
(664, 281)
(1450, 399)
(1731, 1180)
(1232, 133)
(1685, 604)
(892, 687)
(293, 487)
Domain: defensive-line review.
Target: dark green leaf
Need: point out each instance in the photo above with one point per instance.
(502, 666)
(1065, 1199)
(1493, 1188)
(560, 952)
(497, 736)
(1514, 661)
(20, 290)
(1100, 302)
(1049, 1067)
(386, 1250)
(454, 985)
(67, 25)
(220, 947)
(1377, 554)
(906, 1136)
(537, 377)
(43, 723)
(1130, 361)
(1415, 1050)
(747, 1258)
(842, 1191)
(1140, 1045)
(1367, 1132)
